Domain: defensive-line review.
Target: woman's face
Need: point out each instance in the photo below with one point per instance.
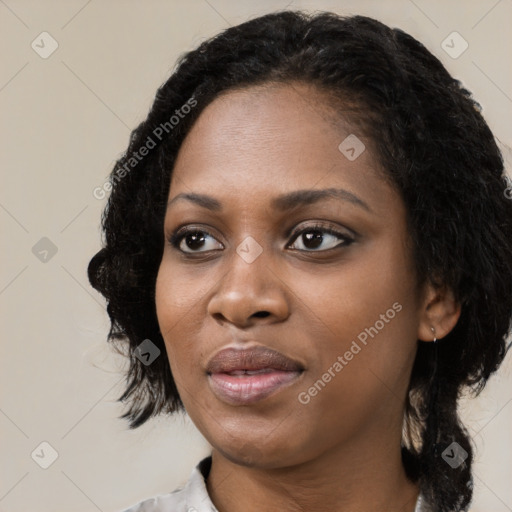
(272, 260)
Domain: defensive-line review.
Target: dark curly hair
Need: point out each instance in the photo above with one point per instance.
(436, 150)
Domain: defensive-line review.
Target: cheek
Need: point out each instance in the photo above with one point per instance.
(359, 376)
(180, 317)
(179, 295)
(364, 313)
(178, 310)
(174, 293)
(343, 301)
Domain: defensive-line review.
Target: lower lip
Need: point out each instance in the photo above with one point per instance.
(247, 389)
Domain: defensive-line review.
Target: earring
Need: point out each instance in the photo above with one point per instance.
(432, 421)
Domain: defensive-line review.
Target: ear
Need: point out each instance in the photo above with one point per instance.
(438, 310)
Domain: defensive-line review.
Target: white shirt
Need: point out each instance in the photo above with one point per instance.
(193, 496)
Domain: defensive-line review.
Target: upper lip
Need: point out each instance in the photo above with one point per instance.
(254, 358)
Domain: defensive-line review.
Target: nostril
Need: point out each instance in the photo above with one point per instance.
(261, 314)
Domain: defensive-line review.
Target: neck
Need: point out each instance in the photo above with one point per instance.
(357, 478)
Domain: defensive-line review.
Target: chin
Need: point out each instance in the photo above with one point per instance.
(254, 454)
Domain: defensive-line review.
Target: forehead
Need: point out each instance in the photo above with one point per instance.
(273, 138)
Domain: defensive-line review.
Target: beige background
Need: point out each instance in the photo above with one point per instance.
(65, 119)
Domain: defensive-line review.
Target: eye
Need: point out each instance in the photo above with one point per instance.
(313, 237)
(193, 240)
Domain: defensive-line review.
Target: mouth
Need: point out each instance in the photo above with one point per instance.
(243, 377)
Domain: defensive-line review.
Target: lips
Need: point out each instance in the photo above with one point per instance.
(252, 359)
(245, 376)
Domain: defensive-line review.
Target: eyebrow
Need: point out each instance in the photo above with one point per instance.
(282, 203)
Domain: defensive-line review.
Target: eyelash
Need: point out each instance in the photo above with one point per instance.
(176, 237)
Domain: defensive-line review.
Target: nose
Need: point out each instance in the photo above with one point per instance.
(249, 293)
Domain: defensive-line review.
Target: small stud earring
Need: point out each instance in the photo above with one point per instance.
(434, 333)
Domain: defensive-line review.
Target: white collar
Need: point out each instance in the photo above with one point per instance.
(193, 496)
(197, 494)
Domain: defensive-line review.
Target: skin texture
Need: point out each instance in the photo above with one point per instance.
(341, 450)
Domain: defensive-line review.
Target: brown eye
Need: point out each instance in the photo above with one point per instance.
(194, 241)
(312, 239)
(321, 238)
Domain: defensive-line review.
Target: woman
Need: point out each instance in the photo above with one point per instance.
(311, 228)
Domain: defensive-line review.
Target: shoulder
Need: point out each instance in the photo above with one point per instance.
(191, 497)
